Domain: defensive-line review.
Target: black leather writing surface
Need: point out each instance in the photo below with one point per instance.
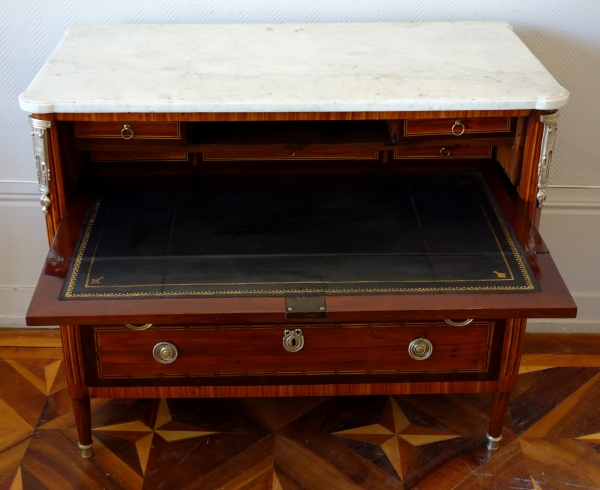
(278, 235)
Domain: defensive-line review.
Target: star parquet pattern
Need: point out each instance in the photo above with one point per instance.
(551, 438)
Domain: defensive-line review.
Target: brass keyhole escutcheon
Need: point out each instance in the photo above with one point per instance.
(165, 352)
(293, 340)
(420, 349)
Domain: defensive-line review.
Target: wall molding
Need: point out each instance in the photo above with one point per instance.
(19, 193)
(572, 200)
(13, 305)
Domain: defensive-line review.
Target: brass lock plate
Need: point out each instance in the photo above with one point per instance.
(306, 306)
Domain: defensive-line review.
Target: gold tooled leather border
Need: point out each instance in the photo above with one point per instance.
(528, 286)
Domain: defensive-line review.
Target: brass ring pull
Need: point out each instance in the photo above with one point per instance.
(127, 135)
(457, 123)
(165, 352)
(420, 349)
(288, 155)
(293, 340)
(445, 152)
(138, 327)
(458, 324)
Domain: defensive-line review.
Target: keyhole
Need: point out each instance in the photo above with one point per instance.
(293, 342)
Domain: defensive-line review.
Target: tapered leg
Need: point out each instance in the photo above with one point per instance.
(74, 366)
(499, 407)
(507, 380)
(83, 421)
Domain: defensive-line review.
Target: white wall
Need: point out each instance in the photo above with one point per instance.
(570, 226)
(563, 34)
(23, 246)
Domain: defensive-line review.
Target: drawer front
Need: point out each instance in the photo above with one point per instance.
(357, 349)
(137, 156)
(457, 127)
(442, 152)
(262, 154)
(127, 131)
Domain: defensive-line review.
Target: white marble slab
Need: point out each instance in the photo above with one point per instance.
(292, 68)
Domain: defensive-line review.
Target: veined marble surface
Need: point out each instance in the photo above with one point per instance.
(429, 66)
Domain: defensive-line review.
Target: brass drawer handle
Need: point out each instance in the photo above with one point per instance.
(165, 352)
(458, 324)
(458, 124)
(287, 154)
(420, 349)
(138, 327)
(293, 340)
(127, 132)
(445, 152)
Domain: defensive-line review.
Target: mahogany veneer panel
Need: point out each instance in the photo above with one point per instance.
(337, 389)
(277, 116)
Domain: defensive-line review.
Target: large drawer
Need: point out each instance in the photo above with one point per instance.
(328, 349)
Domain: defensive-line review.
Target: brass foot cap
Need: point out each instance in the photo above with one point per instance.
(493, 442)
(85, 451)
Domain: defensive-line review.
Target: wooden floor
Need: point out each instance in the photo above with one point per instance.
(551, 439)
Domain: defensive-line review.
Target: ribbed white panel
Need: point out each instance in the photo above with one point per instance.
(564, 34)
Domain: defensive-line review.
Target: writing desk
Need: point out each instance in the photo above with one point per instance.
(295, 209)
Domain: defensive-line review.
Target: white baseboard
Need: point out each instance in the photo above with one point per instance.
(13, 305)
(23, 246)
(23, 240)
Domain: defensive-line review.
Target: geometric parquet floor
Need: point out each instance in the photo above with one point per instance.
(551, 438)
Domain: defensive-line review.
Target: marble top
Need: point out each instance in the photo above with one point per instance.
(431, 66)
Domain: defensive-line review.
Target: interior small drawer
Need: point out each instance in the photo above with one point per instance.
(128, 130)
(320, 349)
(456, 126)
(138, 156)
(280, 154)
(444, 152)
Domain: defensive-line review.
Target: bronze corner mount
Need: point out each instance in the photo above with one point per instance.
(550, 122)
(39, 134)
